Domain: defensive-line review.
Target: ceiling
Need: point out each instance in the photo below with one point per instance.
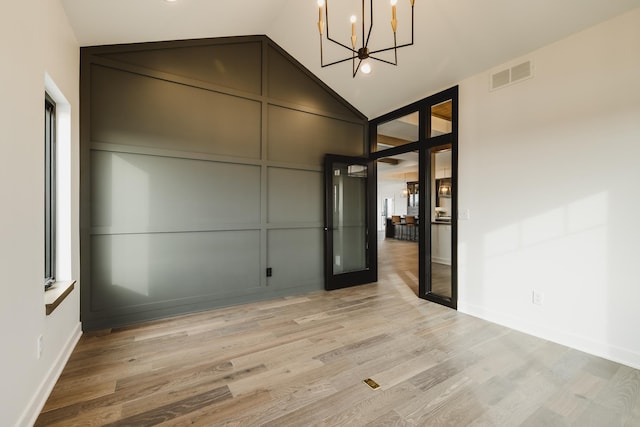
(405, 170)
(454, 39)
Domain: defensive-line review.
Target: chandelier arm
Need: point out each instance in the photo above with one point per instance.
(337, 62)
(383, 60)
(340, 44)
(412, 13)
(405, 45)
(366, 42)
(386, 49)
(395, 45)
(353, 65)
(390, 48)
(355, 71)
(326, 18)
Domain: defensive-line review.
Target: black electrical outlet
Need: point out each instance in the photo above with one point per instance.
(269, 272)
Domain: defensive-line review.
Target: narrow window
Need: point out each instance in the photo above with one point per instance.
(49, 191)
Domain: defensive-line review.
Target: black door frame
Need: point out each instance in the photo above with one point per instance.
(423, 145)
(370, 274)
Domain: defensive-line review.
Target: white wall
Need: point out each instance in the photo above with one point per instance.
(35, 39)
(549, 170)
(391, 189)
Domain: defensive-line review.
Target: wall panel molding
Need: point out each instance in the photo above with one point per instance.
(190, 189)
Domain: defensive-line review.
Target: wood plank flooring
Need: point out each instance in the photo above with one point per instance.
(301, 361)
(401, 257)
(398, 258)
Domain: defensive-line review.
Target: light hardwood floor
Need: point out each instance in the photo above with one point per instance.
(301, 361)
(401, 257)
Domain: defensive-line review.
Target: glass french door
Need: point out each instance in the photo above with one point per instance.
(429, 127)
(349, 213)
(438, 259)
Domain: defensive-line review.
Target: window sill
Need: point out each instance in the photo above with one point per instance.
(56, 294)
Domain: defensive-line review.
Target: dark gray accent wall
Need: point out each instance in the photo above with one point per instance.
(201, 166)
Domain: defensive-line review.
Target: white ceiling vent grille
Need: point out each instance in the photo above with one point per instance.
(511, 75)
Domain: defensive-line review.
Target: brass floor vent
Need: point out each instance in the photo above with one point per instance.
(371, 383)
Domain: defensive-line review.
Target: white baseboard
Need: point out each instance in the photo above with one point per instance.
(607, 351)
(36, 404)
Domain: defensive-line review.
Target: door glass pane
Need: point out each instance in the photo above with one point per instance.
(440, 122)
(441, 210)
(396, 132)
(349, 225)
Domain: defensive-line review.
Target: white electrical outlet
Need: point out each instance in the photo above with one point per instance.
(537, 298)
(40, 339)
(464, 214)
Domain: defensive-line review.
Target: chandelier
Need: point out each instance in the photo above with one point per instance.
(362, 53)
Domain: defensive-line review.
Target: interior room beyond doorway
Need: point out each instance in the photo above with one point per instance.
(398, 217)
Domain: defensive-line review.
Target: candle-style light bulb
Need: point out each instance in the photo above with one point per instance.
(353, 31)
(394, 21)
(320, 22)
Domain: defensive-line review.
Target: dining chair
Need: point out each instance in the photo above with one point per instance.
(411, 226)
(397, 226)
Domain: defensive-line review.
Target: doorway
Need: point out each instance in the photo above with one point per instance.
(429, 129)
(354, 213)
(398, 194)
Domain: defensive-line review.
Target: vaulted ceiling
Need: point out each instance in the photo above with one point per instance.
(454, 39)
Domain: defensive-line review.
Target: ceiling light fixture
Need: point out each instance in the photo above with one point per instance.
(363, 52)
